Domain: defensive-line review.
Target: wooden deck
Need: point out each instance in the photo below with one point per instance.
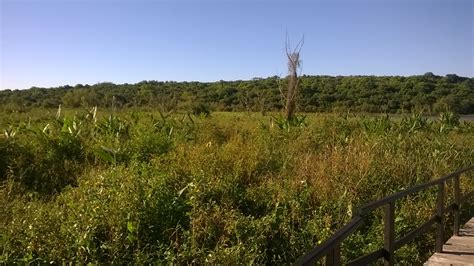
(458, 250)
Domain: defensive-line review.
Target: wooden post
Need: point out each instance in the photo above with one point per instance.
(440, 214)
(457, 206)
(389, 233)
(334, 257)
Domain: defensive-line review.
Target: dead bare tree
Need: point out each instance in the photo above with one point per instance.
(294, 64)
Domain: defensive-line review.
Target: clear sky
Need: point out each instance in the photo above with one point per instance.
(52, 43)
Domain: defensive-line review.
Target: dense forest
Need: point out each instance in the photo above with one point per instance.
(385, 94)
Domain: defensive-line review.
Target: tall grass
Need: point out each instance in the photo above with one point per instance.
(144, 187)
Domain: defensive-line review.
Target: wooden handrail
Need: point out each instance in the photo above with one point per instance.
(334, 241)
(331, 248)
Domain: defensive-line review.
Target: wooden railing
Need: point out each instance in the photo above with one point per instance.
(331, 248)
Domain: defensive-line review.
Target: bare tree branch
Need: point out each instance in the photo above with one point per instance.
(294, 63)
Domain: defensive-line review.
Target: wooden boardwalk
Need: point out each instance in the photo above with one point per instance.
(458, 250)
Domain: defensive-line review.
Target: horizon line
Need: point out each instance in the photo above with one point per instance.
(226, 80)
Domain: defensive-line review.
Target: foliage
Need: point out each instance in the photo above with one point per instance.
(151, 187)
(448, 121)
(385, 94)
(201, 109)
(286, 124)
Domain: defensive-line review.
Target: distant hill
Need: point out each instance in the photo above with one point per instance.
(387, 94)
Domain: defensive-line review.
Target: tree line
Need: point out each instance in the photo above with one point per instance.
(374, 94)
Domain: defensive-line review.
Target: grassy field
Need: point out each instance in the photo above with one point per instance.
(137, 186)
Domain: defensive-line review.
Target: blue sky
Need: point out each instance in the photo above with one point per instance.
(53, 43)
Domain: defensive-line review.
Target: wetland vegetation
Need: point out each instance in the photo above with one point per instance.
(133, 186)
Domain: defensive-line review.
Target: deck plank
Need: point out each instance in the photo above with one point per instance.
(458, 250)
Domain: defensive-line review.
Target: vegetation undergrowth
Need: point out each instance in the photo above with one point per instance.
(226, 188)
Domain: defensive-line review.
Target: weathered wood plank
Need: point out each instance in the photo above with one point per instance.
(458, 250)
(451, 259)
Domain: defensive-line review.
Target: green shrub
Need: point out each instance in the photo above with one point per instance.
(201, 109)
(168, 188)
